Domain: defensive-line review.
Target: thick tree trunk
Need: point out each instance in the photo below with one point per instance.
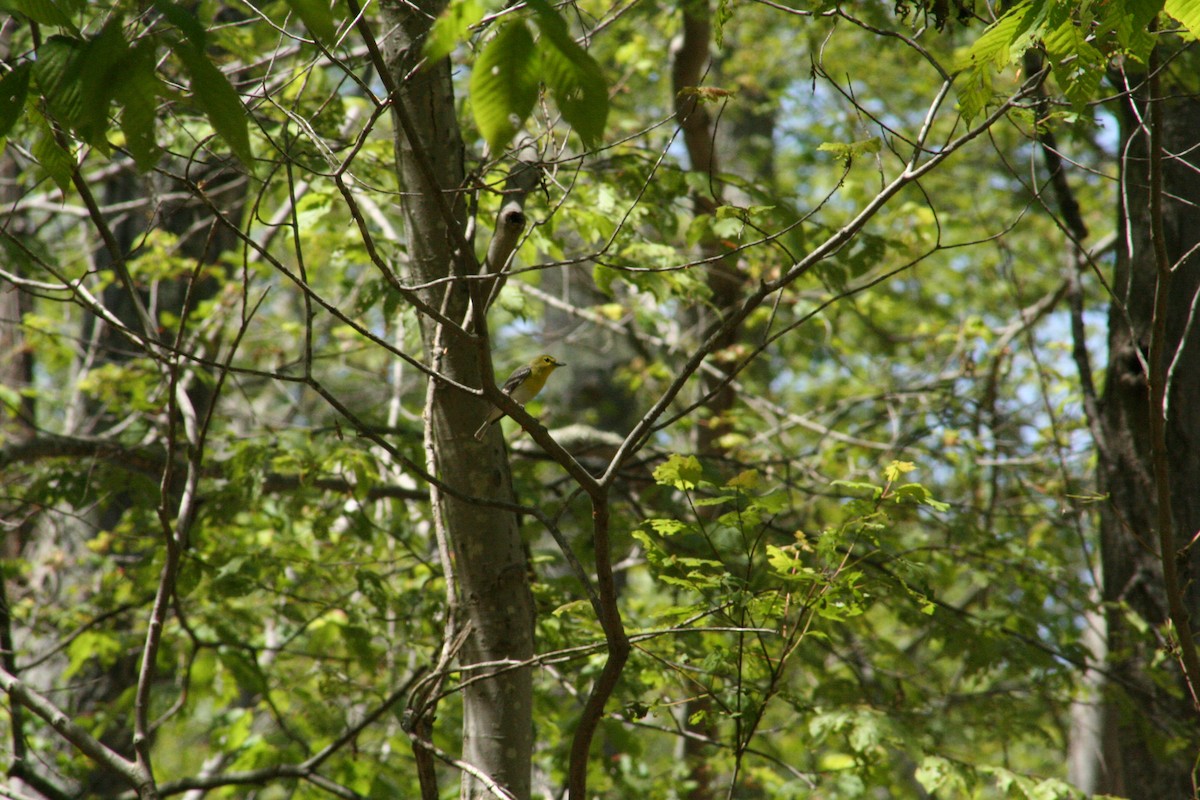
(1151, 727)
(492, 575)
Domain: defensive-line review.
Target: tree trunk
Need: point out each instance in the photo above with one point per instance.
(492, 575)
(1150, 726)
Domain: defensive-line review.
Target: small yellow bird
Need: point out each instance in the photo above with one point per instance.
(522, 386)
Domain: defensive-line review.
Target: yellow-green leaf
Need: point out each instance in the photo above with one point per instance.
(682, 472)
(1186, 13)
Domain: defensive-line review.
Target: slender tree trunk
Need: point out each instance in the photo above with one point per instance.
(493, 580)
(1151, 727)
(17, 424)
(689, 70)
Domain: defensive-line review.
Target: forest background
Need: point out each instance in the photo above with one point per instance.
(873, 471)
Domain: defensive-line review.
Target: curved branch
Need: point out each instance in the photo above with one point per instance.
(618, 652)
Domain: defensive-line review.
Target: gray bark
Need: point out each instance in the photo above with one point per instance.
(493, 581)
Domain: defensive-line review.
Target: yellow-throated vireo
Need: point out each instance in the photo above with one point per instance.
(522, 386)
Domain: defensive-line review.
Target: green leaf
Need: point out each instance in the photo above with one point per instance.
(682, 472)
(993, 49)
(13, 89)
(1142, 12)
(185, 21)
(785, 564)
(57, 72)
(974, 90)
(917, 494)
(217, 97)
(357, 639)
(504, 85)
(246, 673)
(994, 45)
(771, 503)
(604, 278)
(46, 12)
(573, 607)
(451, 27)
(103, 68)
(723, 16)
(137, 94)
(317, 18)
(50, 155)
(1077, 65)
(1186, 13)
(573, 76)
(747, 480)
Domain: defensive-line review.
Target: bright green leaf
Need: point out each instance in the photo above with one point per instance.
(1077, 65)
(504, 85)
(847, 152)
(992, 50)
(97, 649)
(452, 27)
(785, 563)
(974, 90)
(1186, 13)
(666, 527)
(993, 47)
(682, 472)
(917, 494)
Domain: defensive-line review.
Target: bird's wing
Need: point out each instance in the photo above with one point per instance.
(515, 379)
